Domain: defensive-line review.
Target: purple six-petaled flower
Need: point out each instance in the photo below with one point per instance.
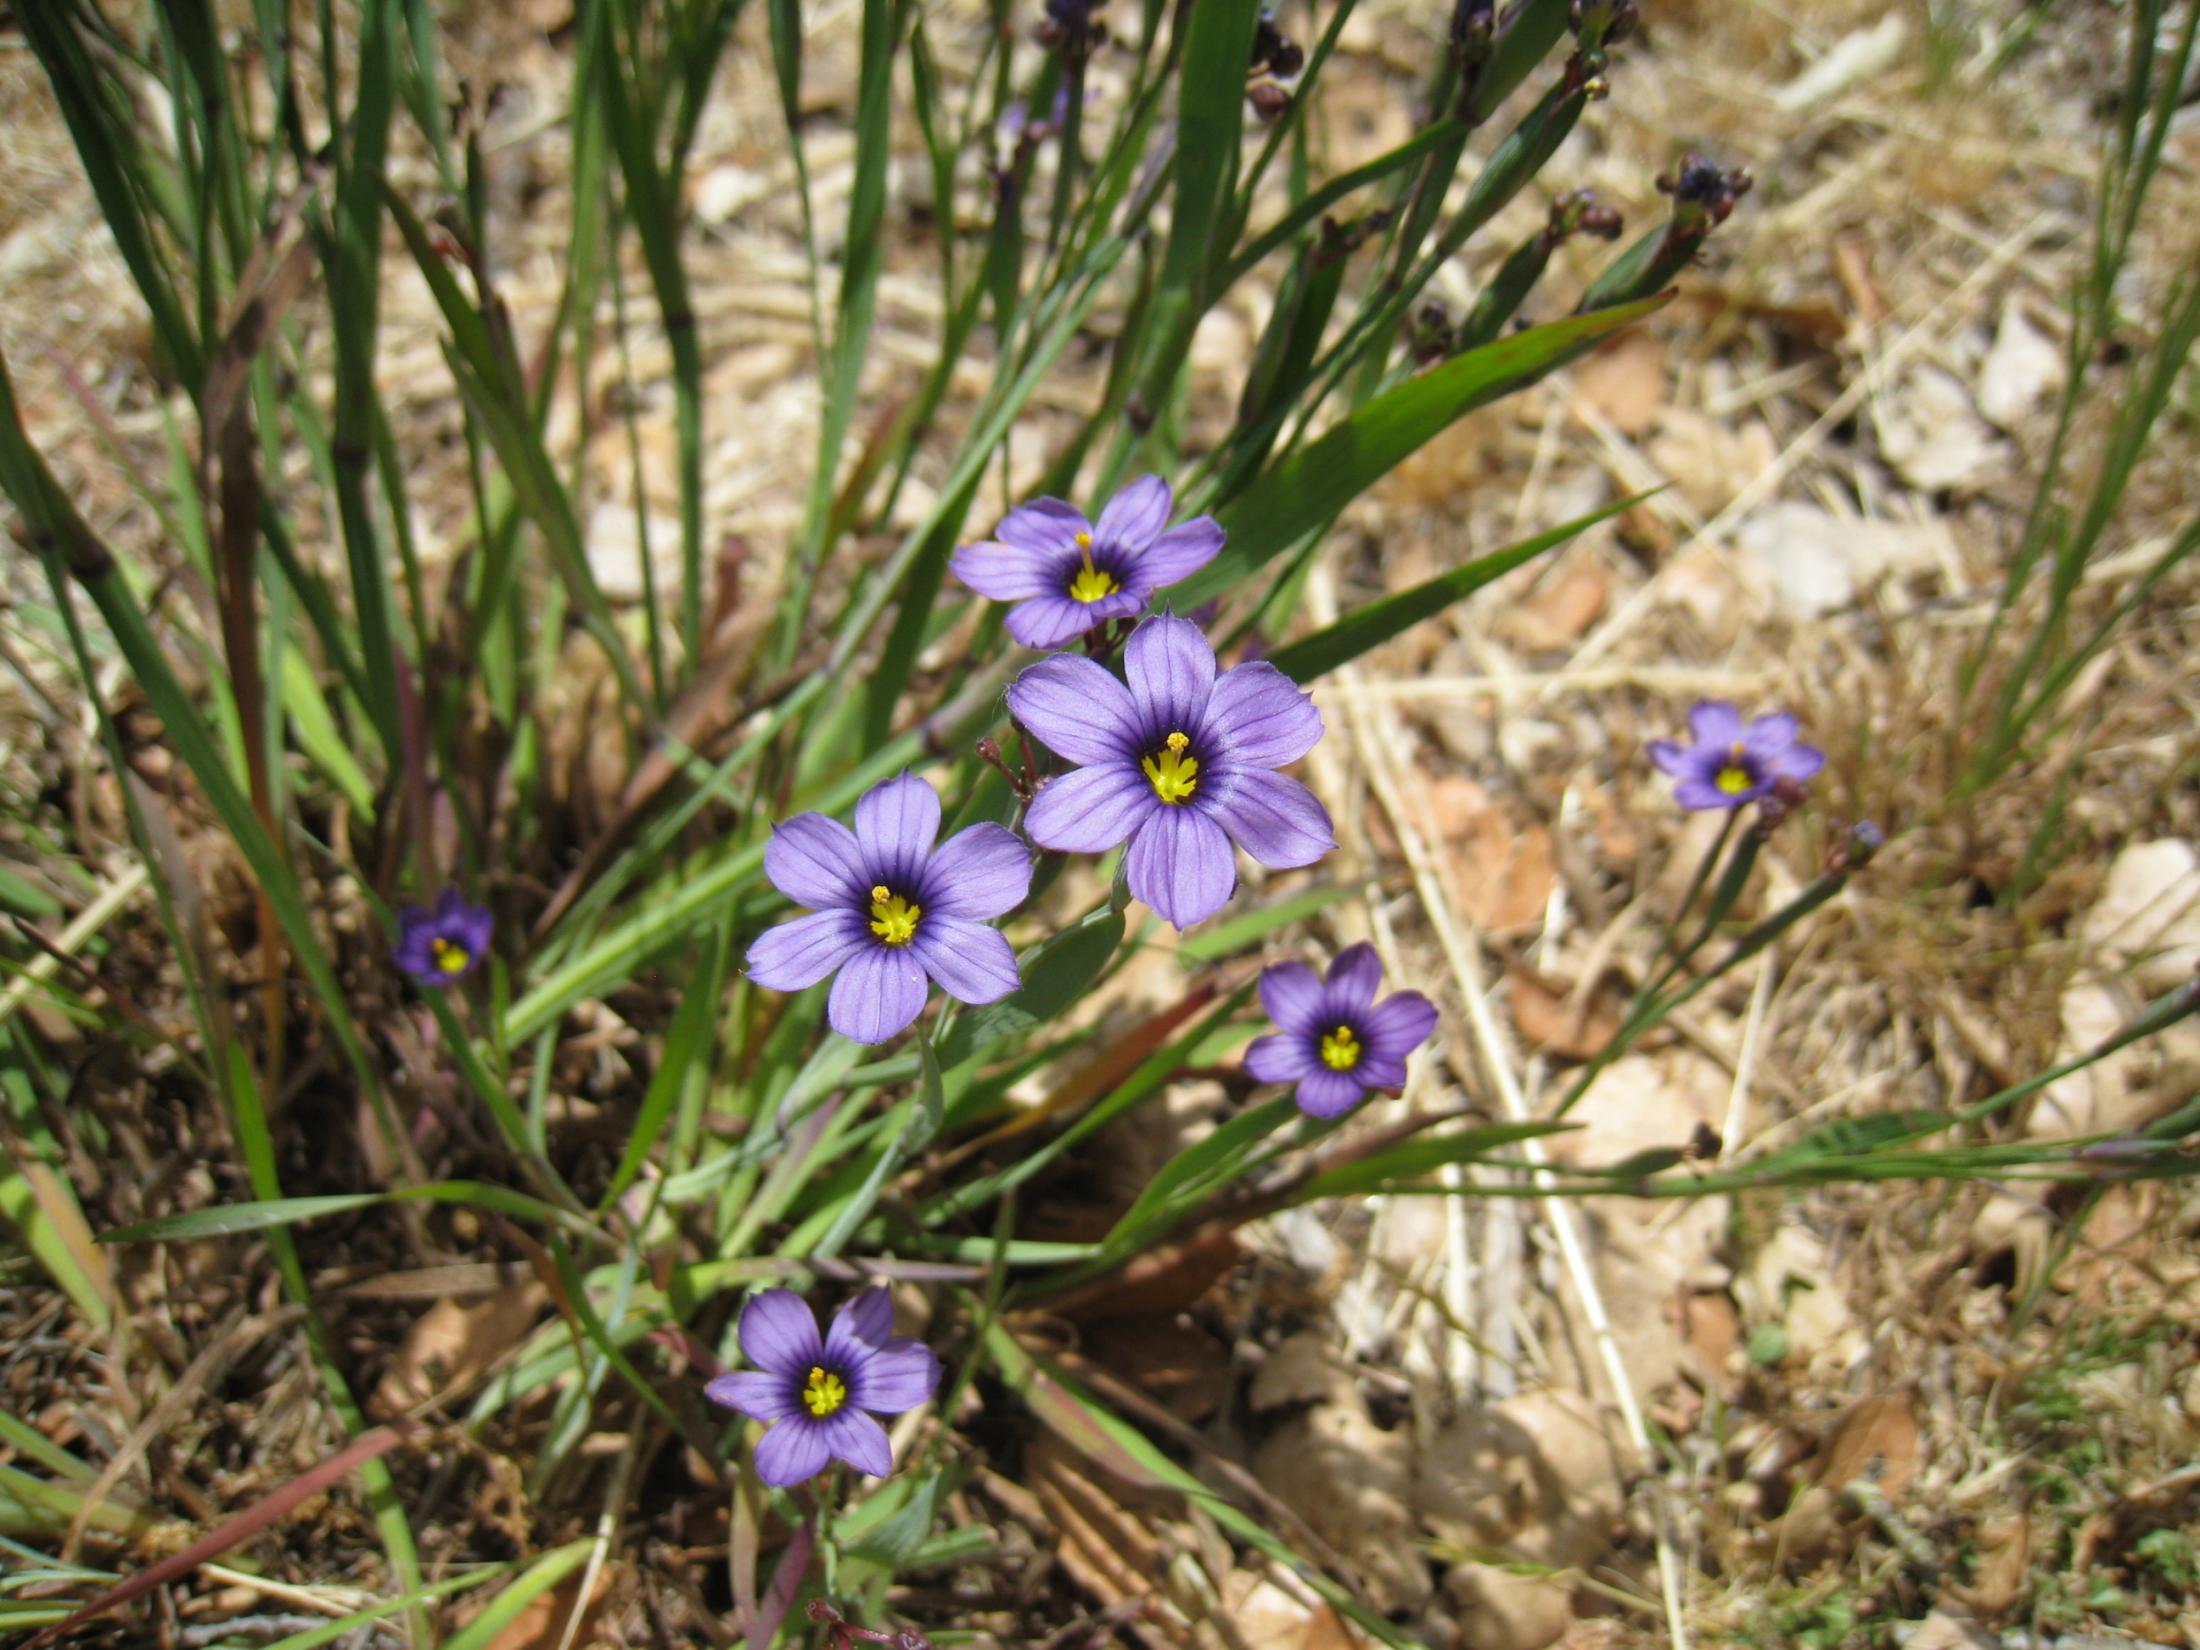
(444, 942)
(1335, 1041)
(1729, 765)
(1179, 761)
(819, 1397)
(889, 909)
(1068, 575)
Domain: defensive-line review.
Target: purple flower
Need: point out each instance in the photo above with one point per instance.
(819, 1397)
(1067, 575)
(1180, 761)
(1336, 1041)
(891, 909)
(1730, 765)
(443, 943)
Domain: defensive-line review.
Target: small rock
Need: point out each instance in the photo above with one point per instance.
(2019, 371)
(2147, 917)
(1932, 435)
(1817, 562)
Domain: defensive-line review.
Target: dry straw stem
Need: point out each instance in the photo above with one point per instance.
(1374, 734)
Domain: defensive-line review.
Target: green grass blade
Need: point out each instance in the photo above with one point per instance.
(1370, 626)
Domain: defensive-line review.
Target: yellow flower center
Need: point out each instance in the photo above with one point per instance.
(1340, 1051)
(450, 956)
(1174, 775)
(1734, 778)
(893, 919)
(1089, 583)
(825, 1393)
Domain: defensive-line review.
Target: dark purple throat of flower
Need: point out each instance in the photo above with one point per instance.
(1089, 581)
(1737, 775)
(1173, 770)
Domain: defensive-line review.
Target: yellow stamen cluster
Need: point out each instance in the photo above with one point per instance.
(825, 1393)
(450, 956)
(1340, 1050)
(893, 919)
(1735, 778)
(1174, 775)
(1089, 583)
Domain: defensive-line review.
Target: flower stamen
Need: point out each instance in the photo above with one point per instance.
(450, 956)
(1173, 774)
(1734, 778)
(893, 918)
(825, 1393)
(1340, 1050)
(1089, 583)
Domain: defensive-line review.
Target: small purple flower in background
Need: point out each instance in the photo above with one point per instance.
(891, 909)
(1067, 575)
(1181, 762)
(1336, 1041)
(442, 943)
(1730, 765)
(819, 1398)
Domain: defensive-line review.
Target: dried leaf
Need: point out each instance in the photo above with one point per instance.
(1547, 1020)
(1876, 1439)
(1626, 380)
(453, 1345)
(540, 1625)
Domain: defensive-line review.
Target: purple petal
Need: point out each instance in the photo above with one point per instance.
(1671, 756)
(1376, 1071)
(1769, 735)
(1397, 1026)
(1292, 994)
(1354, 978)
(901, 1375)
(1077, 708)
(1326, 1093)
(473, 929)
(1052, 620)
(795, 1449)
(1702, 794)
(984, 871)
(779, 1333)
(1180, 552)
(896, 825)
(1135, 515)
(1796, 762)
(1258, 716)
(814, 862)
(1091, 809)
(1715, 722)
(855, 1438)
(879, 991)
(1003, 572)
(1171, 670)
(450, 904)
(971, 962)
(759, 1395)
(798, 954)
(1180, 864)
(1275, 819)
(1279, 1058)
(415, 952)
(859, 1329)
(1043, 524)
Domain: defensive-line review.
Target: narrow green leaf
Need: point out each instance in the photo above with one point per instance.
(1322, 478)
(1056, 973)
(1370, 626)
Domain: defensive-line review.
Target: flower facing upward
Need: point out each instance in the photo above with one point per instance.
(1730, 765)
(1334, 1039)
(819, 1398)
(443, 943)
(1180, 761)
(1067, 575)
(890, 909)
